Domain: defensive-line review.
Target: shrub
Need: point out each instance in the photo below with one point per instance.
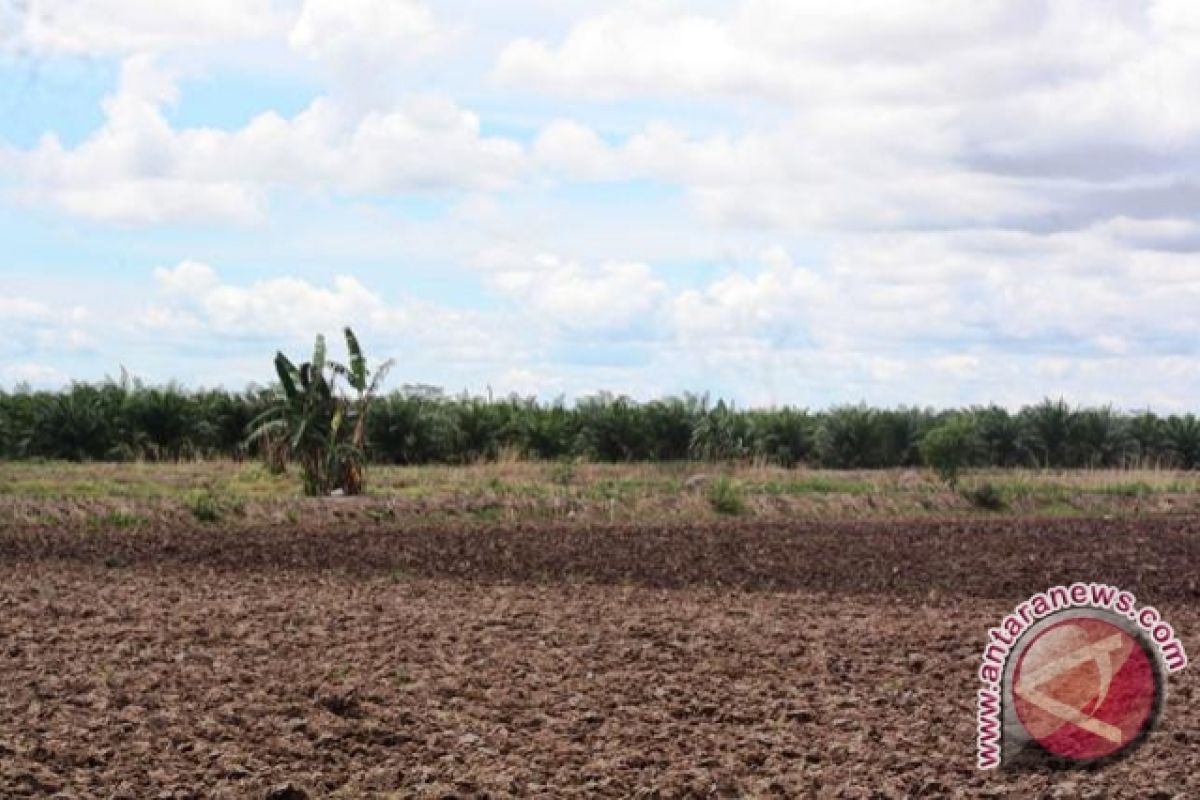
(726, 498)
(563, 472)
(949, 447)
(985, 496)
(205, 507)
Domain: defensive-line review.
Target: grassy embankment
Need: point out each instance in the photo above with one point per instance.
(130, 494)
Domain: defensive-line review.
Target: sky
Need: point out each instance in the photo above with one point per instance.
(774, 201)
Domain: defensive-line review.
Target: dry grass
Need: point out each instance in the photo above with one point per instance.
(512, 490)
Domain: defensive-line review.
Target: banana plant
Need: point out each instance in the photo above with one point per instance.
(311, 417)
(363, 382)
(366, 387)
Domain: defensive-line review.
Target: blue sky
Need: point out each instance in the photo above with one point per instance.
(776, 202)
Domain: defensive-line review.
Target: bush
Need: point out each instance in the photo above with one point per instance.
(985, 496)
(949, 447)
(725, 497)
(563, 472)
(205, 507)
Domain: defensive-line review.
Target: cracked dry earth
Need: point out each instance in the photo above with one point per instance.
(166, 677)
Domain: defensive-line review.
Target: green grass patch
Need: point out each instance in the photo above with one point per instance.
(563, 472)
(985, 496)
(614, 489)
(816, 484)
(255, 480)
(86, 489)
(1137, 489)
(208, 507)
(1040, 493)
(486, 514)
(381, 513)
(726, 497)
(117, 519)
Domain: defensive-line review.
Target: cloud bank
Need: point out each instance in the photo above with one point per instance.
(779, 201)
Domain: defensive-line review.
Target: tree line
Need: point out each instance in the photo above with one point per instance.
(123, 419)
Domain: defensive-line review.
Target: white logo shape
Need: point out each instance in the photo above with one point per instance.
(1101, 654)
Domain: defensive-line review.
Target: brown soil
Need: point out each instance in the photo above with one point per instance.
(999, 557)
(755, 660)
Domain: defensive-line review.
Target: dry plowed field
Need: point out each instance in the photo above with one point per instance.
(732, 659)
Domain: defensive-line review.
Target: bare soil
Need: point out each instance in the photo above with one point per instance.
(743, 659)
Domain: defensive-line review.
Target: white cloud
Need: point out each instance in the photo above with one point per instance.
(137, 168)
(959, 365)
(157, 200)
(627, 51)
(358, 36)
(1111, 345)
(22, 309)
(28, 325)
(189, 279)
(571, 148)
(774, 48)
(195, 298)
(925, 51)
(35, 375)
(610, 297)
(894, 115)
(900, 201)
(777, 305)
(101, 27)
(1073, 290)
(930, 318)
(950, 310)
(821, 170)
(193, 302)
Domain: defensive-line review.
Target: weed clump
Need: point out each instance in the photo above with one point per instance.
(985, 496)
(205, 507)
(726, 497)
(563, 472)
